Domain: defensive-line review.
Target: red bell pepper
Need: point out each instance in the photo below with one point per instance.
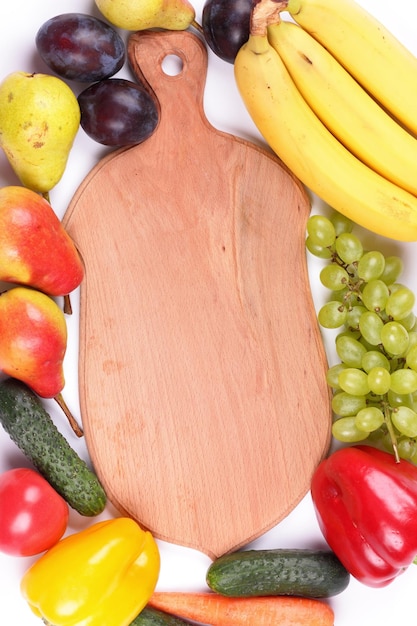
(366, 506)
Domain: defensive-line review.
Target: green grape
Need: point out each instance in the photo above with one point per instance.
(394, 338)
(405, 420)
(400, 303)
(340, 295)
(332, 375)
(392, 270)
(407, 448)
(353, 315)
(412, 337)
(354, 381)
(334, 277)
(374, 358)
(409, 322)
(341, 223)
(397, 399)
(379, 380)
(332, 315)
(411, 357)
(371, 265)
(321, 230)
(413, 458)
(375, 295)
(370, 325)
(348, 247)
(346, 405)
(367, 345)
(404, 381)
(349, 350)
(350, 333)
(369, 419)
(319, 251)
(395, 287)
(345, 429)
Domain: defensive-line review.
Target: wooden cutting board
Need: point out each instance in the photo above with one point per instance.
(202, 371)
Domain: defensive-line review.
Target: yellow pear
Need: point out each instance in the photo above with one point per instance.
(142, 14)
(39, 119)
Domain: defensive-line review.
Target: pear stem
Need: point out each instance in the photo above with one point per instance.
(73, 422)
(67, 305)
(197, 26)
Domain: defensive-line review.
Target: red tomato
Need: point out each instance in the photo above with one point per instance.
(33, 516)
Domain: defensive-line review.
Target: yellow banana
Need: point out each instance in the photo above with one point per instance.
(345, 107)
(311, 152)
(367, 49)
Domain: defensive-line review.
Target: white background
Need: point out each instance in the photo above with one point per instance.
(184, 569)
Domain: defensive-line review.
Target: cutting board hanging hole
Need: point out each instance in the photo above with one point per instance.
(172, 65)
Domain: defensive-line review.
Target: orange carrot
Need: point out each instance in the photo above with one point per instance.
(216, 610)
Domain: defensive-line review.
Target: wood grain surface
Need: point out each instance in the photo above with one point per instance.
(202, 372)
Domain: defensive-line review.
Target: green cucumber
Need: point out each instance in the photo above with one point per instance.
(28, 424)
(306, 573)
(154, 617)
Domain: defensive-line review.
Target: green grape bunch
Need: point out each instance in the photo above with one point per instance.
(375, 383)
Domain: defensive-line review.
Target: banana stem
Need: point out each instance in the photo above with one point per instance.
(71, 419)
(264, 14)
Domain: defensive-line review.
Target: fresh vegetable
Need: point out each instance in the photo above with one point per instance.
(376, 378)
(366, 505)
(217, 610)
(307, 573)
(28, 424)
(154, 617)
(103, 575)
(33, 516)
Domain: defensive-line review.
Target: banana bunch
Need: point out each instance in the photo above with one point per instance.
(334, 94)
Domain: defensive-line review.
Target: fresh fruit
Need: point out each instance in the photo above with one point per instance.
(367, 49)
(217, 610)
(225, 25)
(39, 119)
(35, 249)
(345, 108)
(31, 428)
(33, 516)
(307, 147)
(375, 383)
(139, 15)
(279, 572)
(33, 340)
(80, 47)
(117, 112)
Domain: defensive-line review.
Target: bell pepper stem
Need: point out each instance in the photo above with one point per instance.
(392, 434)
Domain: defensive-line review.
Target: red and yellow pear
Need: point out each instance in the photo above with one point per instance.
(35, 249)
(33, 343)
(33, 340)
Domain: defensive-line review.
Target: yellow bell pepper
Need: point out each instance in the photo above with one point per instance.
(101, 576)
